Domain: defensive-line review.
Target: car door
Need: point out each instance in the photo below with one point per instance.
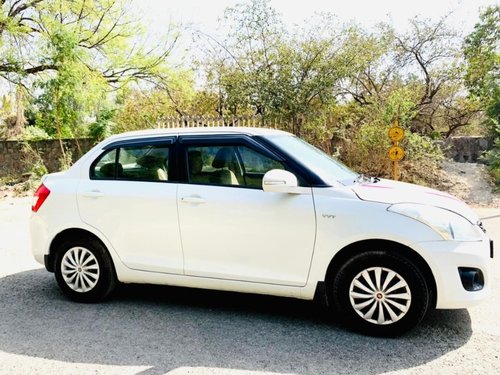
(130, 198)
(230, 228)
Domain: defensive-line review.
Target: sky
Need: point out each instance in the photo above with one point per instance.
(203, 14)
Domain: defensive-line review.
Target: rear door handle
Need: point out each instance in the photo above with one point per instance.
(193, 199)
(93, 194)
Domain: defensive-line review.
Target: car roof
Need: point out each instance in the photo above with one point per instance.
(196, 131)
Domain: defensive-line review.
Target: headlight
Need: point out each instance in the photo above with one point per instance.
(448, 224)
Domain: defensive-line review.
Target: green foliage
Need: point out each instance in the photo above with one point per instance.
(262, 68)
(493, 157)
(33, 161)
(481, 50)
(73, 92)
(418, 148)
(365, 145)
(318, 131)
(139, 111)
(71, 54)
(103, 127)
(66, 160)
(34, 133)
(146, 110)
(366, 150)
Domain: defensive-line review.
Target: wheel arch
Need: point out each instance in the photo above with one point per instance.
(65, 235)
(394, 247)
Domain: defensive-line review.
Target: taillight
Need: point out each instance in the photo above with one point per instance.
(39, 197)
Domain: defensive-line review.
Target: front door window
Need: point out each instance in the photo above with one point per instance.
(228, 165)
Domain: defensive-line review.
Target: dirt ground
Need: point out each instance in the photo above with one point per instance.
(471, 183)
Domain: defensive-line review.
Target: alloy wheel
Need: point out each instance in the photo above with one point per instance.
(80, 269)
(380, 295)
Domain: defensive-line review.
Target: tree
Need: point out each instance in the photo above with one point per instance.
(481, 50)
(262, 68)
(431, 50)
(17, 26)
(242, 67)
(100, 29)
(74, 53)
(377, 69)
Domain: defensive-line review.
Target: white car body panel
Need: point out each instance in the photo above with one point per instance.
(145, 231)
(53, 219)
(444, 258)
(253, 235)
(388, 191)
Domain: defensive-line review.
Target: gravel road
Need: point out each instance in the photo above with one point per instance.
(163, 330)
(472, 183)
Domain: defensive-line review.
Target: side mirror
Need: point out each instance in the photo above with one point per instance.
(279, 181)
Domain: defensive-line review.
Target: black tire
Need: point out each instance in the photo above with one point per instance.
(408, 303)
(91, 283)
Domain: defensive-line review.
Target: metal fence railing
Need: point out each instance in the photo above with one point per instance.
(215, 121)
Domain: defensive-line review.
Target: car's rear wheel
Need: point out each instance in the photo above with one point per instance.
(84, 270)
(380, 293)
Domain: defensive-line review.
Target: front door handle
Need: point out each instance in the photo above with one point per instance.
(193, 199)
(93, 194)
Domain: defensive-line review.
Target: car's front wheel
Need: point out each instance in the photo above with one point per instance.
(380, 293)
(84, 270)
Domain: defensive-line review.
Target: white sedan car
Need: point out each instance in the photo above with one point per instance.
(257, 211)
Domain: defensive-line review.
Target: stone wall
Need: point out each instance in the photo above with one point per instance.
(14, 162)
(467, 149)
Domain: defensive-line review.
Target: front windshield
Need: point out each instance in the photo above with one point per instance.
(324, 166)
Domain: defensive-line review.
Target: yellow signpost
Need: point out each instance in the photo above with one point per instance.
(396, 152)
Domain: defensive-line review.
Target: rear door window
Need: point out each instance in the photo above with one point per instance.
(105, 166)
(144, 163)
(149, 162)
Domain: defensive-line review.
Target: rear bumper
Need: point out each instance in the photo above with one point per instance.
(445, 259)
(39, 238)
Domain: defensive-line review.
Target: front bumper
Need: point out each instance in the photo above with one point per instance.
(445, 258)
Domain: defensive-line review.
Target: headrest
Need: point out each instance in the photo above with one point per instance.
(223, 157)
(151, 161)
(195, 161)
(108, 169)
